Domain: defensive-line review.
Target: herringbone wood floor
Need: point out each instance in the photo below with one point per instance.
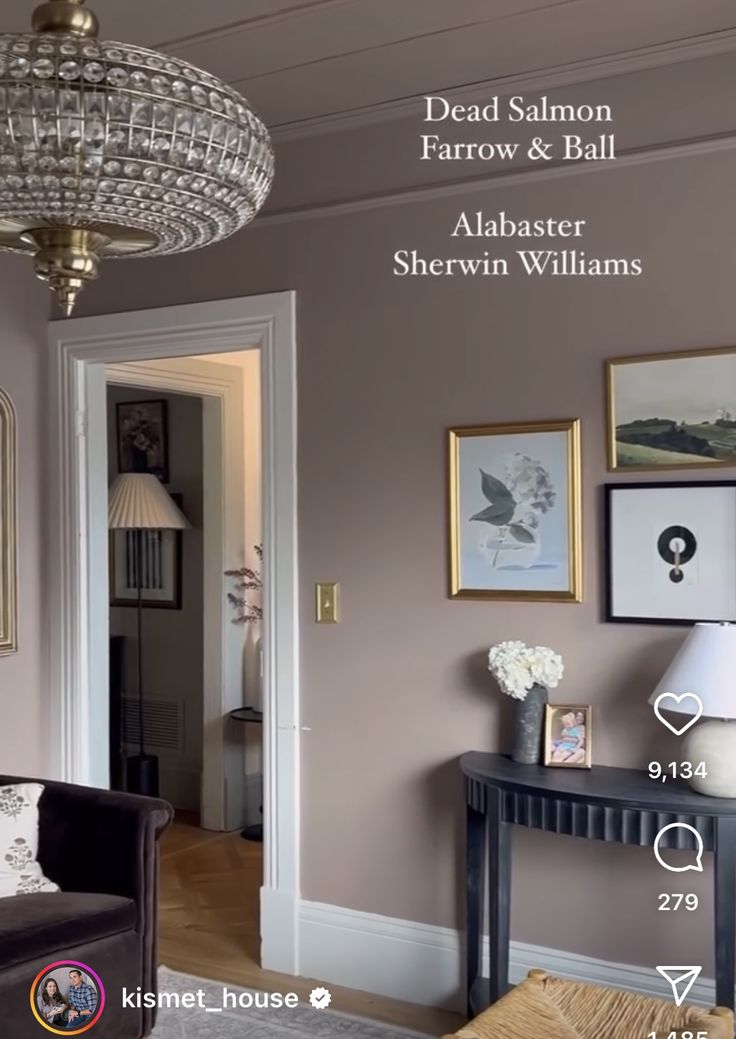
(208, 926)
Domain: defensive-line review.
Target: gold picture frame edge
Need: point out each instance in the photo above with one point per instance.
(549, 709)
(574, 594)
(8, 526)
(671, 355)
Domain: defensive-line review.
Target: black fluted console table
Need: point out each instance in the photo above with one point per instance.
(617, 805)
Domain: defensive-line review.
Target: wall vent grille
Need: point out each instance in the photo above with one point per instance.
(163, 721)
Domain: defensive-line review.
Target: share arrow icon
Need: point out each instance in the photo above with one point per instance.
(681, 979)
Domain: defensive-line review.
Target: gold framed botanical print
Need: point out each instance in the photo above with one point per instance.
(8, 527)
(515, 513)
(672, 410)
(567, 736)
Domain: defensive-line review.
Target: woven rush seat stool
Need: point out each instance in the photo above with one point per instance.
(544, 1007)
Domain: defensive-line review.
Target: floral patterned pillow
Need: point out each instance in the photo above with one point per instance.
(20, 873)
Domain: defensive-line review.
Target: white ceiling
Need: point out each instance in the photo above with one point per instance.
(303, 60)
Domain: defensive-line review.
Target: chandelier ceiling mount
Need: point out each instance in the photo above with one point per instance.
(65, 16)
(111, 150)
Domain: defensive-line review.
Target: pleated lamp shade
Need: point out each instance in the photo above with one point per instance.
(139, 502)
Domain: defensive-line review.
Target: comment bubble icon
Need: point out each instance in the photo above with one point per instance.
(696, 865)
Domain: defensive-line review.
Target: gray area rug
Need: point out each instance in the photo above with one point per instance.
(252, 1022)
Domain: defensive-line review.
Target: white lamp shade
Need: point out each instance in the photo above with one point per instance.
(704, 665)
(139, 502)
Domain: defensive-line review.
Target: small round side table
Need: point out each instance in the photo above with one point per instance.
(250, 714)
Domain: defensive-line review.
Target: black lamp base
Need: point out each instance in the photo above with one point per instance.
(142, 775)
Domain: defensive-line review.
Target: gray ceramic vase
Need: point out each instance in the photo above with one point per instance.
(529, 726)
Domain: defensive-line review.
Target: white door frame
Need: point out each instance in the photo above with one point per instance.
(77, 535)
(220, 387)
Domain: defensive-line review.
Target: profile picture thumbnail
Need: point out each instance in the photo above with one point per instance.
(67, 997)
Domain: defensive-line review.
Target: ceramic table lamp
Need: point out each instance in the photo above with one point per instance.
(705, 666)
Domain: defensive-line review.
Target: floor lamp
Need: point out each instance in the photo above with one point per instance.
(139, 502)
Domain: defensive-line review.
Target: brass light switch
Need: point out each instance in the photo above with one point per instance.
(327, 595)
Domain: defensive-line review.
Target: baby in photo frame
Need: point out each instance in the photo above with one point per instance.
(569, 747)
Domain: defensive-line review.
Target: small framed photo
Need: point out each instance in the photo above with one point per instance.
(515, 523)
(672, 411)
(143, 438)
(567, 736)
(671, 552)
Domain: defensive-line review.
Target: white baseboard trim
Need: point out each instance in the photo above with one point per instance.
(279, 931)
(395, 958)
(422, 964)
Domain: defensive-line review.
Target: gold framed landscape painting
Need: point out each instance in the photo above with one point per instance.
(515, 516)
(672, 411)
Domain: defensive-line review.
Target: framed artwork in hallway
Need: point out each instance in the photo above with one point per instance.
(515, 514)
(161, 565)
(143, 437)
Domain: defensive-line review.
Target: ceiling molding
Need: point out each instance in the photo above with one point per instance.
(526, 175)
(261, 21)
(310, 7)
(397, 42)
(640, 59)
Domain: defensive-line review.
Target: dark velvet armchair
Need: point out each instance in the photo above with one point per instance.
(101, 848)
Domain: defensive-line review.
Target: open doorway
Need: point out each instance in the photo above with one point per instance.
(195, 424)
(83, 351)
(165, 421)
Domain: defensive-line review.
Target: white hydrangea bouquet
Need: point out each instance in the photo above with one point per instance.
(526, 673)
(518, 667)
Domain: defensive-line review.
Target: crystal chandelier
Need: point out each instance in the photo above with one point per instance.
(110, 150)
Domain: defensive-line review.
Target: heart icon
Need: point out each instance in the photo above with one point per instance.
(660, 704)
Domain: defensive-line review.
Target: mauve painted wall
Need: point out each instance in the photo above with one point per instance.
(395, 692)
(399, 689)
(23, 308)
